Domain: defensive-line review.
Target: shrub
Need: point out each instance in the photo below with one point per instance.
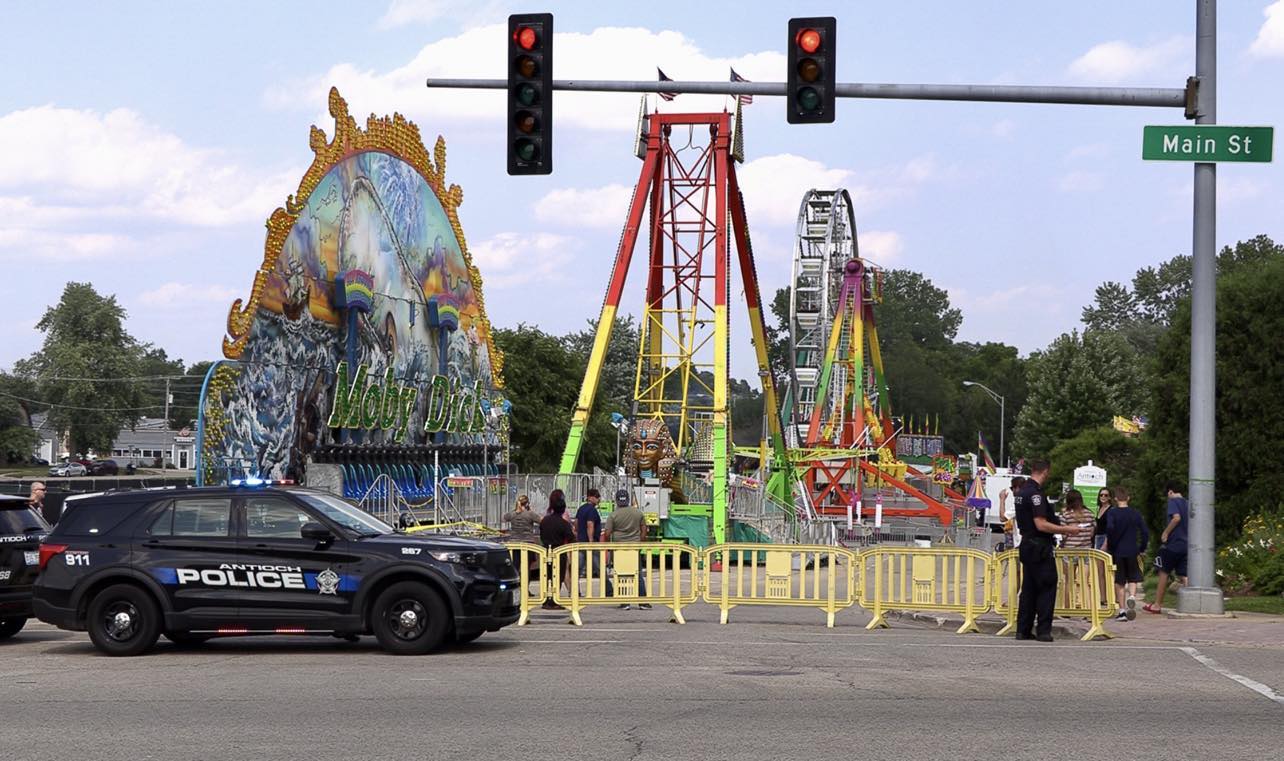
(1255, 563)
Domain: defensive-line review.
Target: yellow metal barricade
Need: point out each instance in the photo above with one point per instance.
(936, 578)
(624, 573)
(531, 562)
(814, 576)
(1006, 569)
(1085, 588)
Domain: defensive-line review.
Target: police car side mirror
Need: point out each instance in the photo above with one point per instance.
(316, 532)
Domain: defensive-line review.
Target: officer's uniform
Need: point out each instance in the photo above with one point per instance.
(1038, 566)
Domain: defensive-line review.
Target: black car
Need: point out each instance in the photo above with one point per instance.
(196, 563)
(21, 530)
(103, 468)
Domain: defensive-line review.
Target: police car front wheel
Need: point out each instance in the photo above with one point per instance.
(123, 620)
(409, 618)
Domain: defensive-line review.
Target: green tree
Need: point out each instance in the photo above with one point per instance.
(17, 438)
(778, 333)
(84, 369)
(1078, 382)
(187, 394)
(541, 381)
(915, 311)
(1105, 447)
(1250, 374)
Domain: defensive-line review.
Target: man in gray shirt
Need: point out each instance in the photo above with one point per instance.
(626, 524)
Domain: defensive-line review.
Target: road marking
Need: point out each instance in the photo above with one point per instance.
(1255, 686)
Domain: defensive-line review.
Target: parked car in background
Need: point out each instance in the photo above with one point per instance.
(68, 469)
(38, 461)
(103, 468)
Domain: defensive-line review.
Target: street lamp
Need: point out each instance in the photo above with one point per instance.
(998, 398)
(620, 424)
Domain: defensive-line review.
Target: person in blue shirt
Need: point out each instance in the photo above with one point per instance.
(1173, 545)
(1126, 541)
(588, 528)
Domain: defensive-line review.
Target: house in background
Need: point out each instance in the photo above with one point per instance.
(149, 440)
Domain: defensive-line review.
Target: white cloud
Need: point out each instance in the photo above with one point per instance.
(1118, 62)
(629, 53)
(407, 12)
(773, 186)
(1270, 38)
(82, 175)
(882, 247)
(512, 259)
(173, 294)
(606, 206)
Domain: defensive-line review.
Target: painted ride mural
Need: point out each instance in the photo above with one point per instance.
(366, 308)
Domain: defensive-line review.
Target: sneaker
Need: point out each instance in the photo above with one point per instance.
(1044, 637)
(625, 607)
(1123, 616)
(1131, 612)
(644, 606)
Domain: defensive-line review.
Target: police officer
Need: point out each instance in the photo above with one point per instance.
(1037, 523)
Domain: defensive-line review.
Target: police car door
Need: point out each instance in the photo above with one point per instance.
(189, 546)
(273, 543)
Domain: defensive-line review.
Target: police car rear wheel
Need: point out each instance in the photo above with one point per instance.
(11, 626)
(123, 620)
(409, 619)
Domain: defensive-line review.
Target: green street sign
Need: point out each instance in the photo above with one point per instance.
(1207, 143)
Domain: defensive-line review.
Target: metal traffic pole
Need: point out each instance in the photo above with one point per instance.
(1202, 594)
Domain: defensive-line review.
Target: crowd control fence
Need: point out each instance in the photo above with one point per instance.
(624, 573)
(882, 580)
(1085, 588)
(816, 576)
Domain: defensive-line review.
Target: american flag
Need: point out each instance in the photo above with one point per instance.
(663, 78)
(743, 99)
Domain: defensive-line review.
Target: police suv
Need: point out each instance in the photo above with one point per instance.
(21, 530)
(254, 558)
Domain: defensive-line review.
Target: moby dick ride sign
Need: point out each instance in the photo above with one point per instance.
(1207, 143)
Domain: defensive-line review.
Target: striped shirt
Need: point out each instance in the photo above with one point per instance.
(1081, 517)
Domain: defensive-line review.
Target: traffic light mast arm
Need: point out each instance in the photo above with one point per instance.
(1152, 97)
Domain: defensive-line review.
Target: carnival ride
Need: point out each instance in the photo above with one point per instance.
(832, 438)
(682, 377)
(841, 431)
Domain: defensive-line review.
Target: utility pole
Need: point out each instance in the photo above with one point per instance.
(1202, 594)
(167, 398)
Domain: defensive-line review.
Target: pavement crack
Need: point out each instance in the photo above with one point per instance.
(631, 735)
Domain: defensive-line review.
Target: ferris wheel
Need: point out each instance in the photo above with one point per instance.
(826, 241)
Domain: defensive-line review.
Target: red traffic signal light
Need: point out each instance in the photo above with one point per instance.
(809, 40)
(526, 37)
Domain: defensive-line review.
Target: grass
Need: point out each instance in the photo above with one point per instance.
(1273, 605)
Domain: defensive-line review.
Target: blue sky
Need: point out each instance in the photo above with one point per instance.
(146, 143)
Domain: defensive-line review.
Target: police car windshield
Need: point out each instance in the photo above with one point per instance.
(352, 518)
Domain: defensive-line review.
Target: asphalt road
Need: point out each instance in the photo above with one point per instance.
(628, 685)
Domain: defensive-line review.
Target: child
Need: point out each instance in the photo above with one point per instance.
(1126, 540)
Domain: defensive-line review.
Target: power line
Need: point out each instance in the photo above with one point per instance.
(53, 405)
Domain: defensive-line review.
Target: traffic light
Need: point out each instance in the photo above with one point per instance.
(530, 93)
(809, 88)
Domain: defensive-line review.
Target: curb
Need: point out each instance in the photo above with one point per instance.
(1061, 628)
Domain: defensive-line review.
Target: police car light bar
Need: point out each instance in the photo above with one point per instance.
(260, 482)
